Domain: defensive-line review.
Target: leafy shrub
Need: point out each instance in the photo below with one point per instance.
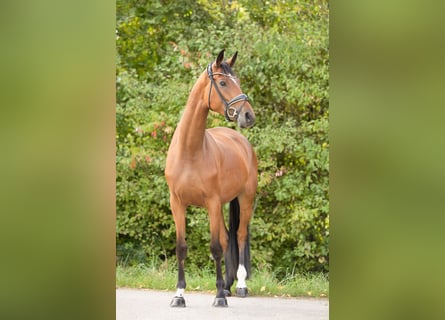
(290, 228)
(283, 66)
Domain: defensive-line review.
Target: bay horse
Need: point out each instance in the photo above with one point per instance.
(210, 167)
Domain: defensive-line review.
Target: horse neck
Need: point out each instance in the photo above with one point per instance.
(193, 122)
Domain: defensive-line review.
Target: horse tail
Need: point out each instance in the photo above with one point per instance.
(232, 260)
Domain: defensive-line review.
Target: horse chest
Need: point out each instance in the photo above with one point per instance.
(193, 184)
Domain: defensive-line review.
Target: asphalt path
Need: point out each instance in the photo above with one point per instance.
(142, 304)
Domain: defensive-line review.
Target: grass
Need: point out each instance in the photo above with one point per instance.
(262, 283)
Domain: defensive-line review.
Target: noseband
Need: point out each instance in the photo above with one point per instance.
(229, 112)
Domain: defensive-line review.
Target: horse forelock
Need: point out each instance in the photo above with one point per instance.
(227, 69)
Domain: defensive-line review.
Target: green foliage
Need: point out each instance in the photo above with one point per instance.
(163, 276)
(162, 47)
(291, 222)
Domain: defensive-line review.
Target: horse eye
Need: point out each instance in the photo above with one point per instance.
(222, 83)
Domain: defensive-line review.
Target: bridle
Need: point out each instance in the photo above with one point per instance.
(229, 112)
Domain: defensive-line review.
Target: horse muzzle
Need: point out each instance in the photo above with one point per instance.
(246, 118)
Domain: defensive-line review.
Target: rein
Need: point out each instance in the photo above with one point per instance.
(229, 112)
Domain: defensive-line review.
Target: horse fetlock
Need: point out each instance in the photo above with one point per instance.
(220, 284)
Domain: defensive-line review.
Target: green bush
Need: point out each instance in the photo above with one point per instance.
(290, 229)
(283, 62)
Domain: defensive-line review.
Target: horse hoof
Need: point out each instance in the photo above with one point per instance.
(220, 302)
(178, 302)
(241, 292)
(227, 293)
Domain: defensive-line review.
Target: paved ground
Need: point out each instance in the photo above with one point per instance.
(132, 304)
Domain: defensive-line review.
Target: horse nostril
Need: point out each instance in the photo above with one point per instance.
(249, 117)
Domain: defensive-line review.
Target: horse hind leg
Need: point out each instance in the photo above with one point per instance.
(243, 270)
(237, 257)
(244, 248)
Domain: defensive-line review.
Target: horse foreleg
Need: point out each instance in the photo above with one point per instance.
(178, 211)
(218, 245)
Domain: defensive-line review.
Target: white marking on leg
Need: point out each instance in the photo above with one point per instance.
(241, 274)
(179, 292)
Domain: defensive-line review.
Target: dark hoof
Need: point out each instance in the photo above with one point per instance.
(241, 292)
(227, 293)
(178, 302)
(220, 302)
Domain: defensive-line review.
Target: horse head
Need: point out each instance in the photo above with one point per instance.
(225, 94)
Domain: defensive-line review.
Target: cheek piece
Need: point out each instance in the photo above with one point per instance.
(230, 112)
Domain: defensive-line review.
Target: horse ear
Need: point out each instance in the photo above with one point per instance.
(232, 60)
(220, 58)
